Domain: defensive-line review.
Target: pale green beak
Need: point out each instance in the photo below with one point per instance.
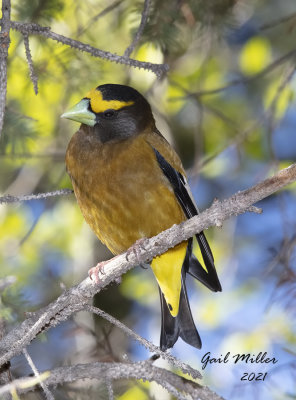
(81, 113)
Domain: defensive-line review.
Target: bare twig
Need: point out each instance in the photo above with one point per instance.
(47, 392)
(268, 114)
(96, 17)
(24, 384)
(76, 298)
(274, 23)
(142, 370)
(16, 199)
(4, 45)
(32, 74)
(140, 30)
(56, 155)
(110, 389)
(35, 29)
(241, 81)
(255, 210)
(150, 346)
(271, 114)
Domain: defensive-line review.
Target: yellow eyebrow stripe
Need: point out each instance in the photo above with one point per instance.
(98, 104)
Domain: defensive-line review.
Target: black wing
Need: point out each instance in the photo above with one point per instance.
(209, 278)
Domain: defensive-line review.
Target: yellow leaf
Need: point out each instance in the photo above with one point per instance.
(255, 55)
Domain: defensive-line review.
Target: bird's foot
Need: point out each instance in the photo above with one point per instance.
(94, 272)
(136, 249)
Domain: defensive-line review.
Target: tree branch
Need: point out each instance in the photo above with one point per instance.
(4, 45)
(47, 392)
(268, 114)
(76, 298)
(142, 370)
(33, 76)
(276, 22)
(242, 81)
(35, 29)
(150, 346)
(5, 376)
(140, 30)
(27, 197)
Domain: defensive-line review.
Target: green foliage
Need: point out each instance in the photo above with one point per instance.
(20, 130)
(41, 11)
(172, 24)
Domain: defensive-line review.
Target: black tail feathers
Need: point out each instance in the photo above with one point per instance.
(180, 326)
(183, 325)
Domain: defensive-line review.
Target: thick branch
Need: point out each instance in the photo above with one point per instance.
(143, 370)
(4, 45)
(76, 298)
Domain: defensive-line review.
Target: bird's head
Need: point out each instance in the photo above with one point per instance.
(113, 111)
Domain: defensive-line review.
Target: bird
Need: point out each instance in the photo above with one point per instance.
(130, 184)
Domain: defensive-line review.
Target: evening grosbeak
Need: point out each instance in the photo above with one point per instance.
(130, 184)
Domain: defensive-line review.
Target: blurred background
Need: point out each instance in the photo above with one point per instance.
(229, 139)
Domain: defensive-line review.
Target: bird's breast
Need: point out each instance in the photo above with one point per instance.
(121, 190)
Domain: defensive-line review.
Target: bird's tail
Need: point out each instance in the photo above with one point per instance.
(183, 325)
(180, 326)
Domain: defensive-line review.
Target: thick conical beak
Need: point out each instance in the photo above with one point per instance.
(81, 113)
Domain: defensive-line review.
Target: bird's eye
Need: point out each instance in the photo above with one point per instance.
(109, 113)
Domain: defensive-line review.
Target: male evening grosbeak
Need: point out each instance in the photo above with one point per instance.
(130, 184)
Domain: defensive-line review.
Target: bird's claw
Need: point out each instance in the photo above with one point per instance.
(135, 249)
(95, 271)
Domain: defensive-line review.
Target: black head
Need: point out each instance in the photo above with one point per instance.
(114, 111)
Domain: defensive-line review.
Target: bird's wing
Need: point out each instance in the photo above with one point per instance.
(207, 274)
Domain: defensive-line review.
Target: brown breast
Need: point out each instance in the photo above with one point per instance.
(120, 188)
